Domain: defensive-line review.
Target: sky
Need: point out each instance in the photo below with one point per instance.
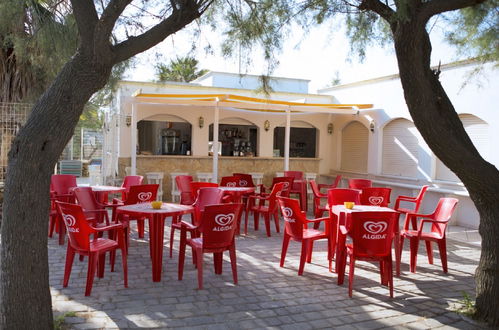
(319, 57)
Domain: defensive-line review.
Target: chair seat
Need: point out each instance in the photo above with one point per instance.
(102, 244)
(261, 209)
(429, 236)
(313, 233)
(349, 247)
(195, 242)
(402, 210)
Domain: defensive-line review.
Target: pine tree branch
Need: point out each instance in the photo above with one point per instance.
(109, 16)
(435, 7)
(185, 13)
(378, 7)
(86, 19)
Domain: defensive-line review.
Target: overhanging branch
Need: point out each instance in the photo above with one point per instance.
(435, 7)
(86, 19)
(109, 16)
(378, 7)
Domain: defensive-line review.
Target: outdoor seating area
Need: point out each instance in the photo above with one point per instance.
(267, 271)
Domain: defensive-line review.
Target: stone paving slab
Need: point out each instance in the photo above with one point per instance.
(267, 296)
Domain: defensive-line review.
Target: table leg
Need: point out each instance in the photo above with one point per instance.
(156, 239)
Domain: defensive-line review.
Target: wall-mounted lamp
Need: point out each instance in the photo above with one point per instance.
(201, 122)
(371, 126)
(330, 128)
(266, 125)
(128, 120)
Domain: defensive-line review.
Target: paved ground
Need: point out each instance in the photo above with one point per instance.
(267, 296)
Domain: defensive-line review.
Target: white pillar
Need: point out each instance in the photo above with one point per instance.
(215, 143)
(133, 151)
(287, 134)
(81, 144)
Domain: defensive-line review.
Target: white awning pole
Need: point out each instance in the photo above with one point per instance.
(215, 143)
(287, 134)
(133, 151)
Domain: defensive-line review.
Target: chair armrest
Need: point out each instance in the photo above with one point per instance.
(118, 201)
(343, 230)
(407, 198)
(113, 226)
(316, 220)
(187, 226)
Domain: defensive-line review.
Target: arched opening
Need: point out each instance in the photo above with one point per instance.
(302, 140)
(401, 148)
(237, 137)
(164, 135)
(354, 147)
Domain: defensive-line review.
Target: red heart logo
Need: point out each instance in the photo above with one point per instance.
(376, 200)
(375, 227)
(231, 184)
(144, 196)
(224, 219)
(243, 183)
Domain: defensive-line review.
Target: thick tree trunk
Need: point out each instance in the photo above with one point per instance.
(24, 292)
(440, 126)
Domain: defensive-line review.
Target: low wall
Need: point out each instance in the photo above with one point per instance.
(226, 166)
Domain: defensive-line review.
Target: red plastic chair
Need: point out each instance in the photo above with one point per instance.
(245, 180)
(128, 181)
(416, 200)
(335, 184)
(196, 185)
(299, 187)
(288, 183)
(79, 231)
(319, 208)
(359, 183)
(61, 187)
(296, 229)
(439, 220)
(375, 196)
(206, 196)
(184, 187)
(217, 228)
(229, 181)
(267, 210)
(338, 196)
(372, 235)
(94, 211)
(144, 193)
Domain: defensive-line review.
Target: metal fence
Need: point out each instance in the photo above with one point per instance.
(12, 117)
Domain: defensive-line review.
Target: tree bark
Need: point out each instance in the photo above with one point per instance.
(24, 291)
(439, 124)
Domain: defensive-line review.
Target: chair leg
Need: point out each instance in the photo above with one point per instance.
(389, 267)
(442, 247)
(199, 263)
(399, 258)
(266, 217)
(92, 265)
(276, 219)
(285, 244)
(256, 219)
(429, 252)
(218, 262)
(122, 246)
(341, 266)
(101, 262)
(351, 275)
(310, 248)
(181, 255)
(303, 256)
(172, 236)
(233, 262)
(414, 252)
(70, 255)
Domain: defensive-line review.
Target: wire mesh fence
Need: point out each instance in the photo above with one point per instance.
(12, 117)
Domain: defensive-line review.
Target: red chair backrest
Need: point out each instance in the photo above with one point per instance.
(338, 196)
(229, 181)
(337, 181)
(443, 212)
(372, 233)
(293, 217)
(219, 225)
(184, 186)
(78, 229)
(131, 180)
(206, 196)
(419, 198)
(288, 184)
(86, 198)
(277, 189)
(245, 180)
(375, 196)
(196, 185)
(143, 193)
(297, 175)
(359, 183)
(62, 183)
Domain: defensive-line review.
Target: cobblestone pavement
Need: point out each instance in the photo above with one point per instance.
(267, 296)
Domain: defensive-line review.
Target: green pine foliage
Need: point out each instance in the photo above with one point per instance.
(181, 69)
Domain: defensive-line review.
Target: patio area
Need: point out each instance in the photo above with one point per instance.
(267, 296)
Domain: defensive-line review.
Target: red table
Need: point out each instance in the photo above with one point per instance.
(344, 218)
(101, 192)
(237, 193)
(156, 219)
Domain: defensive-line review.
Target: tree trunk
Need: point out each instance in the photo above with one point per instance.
(24, 291)
(437, 121)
